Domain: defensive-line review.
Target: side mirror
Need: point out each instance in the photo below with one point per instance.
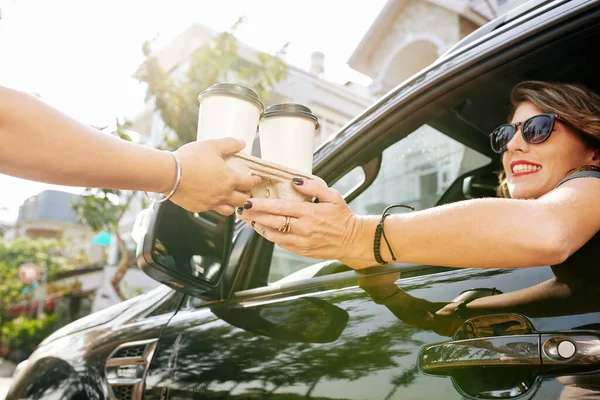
(185, 251)
(306, 320)
(480, 185)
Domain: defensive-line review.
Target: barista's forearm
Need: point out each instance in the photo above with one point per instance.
(42, 144)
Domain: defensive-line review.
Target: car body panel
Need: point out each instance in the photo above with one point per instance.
(375, 357)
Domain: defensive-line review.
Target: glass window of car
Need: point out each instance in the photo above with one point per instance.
(415, 171)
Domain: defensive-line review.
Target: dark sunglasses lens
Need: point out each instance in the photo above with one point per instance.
(501, 137)
(537, 129)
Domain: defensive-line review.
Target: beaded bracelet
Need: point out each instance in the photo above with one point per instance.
(379, 231)
(175, 186)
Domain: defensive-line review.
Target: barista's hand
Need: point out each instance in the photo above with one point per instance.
(323, 230)
(207, 183)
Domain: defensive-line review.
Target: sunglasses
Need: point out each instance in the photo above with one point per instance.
(535, 130)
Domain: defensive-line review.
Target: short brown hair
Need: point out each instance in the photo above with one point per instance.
(577, 105)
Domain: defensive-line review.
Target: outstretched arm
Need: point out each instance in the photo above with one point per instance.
(42, 144)
(483, 233)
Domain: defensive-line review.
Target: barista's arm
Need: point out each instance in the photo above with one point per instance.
(42, 144)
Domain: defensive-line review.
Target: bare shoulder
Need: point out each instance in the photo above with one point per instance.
(574, 206)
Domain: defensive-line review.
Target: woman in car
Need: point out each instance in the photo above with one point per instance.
(550, 153)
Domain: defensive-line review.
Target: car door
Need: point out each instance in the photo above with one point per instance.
(373, 354)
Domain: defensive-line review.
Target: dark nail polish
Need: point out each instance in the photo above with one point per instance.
(239, 210)
(298, 181)
(253, 223)
(247, 204)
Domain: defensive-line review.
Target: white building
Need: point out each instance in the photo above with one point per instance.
(408, 35)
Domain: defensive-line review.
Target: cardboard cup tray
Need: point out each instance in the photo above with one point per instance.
(276, 179)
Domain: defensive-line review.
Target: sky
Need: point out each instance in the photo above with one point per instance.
(79, 56)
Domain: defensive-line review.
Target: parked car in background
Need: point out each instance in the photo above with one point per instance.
(239, 318)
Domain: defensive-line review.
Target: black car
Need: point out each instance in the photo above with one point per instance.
(239, 318)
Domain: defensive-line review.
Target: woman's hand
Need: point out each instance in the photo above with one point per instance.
(207, 183)
(326, 229)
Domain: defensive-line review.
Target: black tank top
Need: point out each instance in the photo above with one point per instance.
(581, 267)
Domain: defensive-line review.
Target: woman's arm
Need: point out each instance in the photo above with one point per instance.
(42, 144)
(493, 233)
(484, 233)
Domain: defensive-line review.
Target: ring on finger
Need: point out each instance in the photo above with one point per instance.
(286, 226)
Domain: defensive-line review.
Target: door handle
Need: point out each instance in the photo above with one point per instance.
(566, 351)
(442, 358)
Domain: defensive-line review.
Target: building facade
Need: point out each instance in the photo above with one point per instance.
(408, 35)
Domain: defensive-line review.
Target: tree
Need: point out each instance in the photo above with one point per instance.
(103, 209)
(215, 61)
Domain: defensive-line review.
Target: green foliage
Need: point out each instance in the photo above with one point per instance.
(99, 209)
(25, 333)
(215, 61)
(24, 250)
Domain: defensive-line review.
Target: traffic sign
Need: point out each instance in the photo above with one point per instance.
(29, 273)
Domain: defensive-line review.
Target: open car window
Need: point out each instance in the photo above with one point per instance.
(415, 171)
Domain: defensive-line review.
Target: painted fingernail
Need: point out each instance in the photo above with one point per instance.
(247, 204)
(253, 223)
(240, 210)
(298, 181)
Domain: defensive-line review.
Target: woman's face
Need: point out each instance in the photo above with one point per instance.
(542, 165)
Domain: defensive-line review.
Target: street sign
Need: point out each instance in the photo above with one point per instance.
(29, 273)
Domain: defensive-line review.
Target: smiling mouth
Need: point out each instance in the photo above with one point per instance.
(525, 169)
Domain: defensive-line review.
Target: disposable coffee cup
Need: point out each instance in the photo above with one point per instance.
(287, 136)
(229, 110)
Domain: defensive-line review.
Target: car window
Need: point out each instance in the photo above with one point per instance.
(415, 171)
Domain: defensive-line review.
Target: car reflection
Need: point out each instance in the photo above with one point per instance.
(490, 329)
